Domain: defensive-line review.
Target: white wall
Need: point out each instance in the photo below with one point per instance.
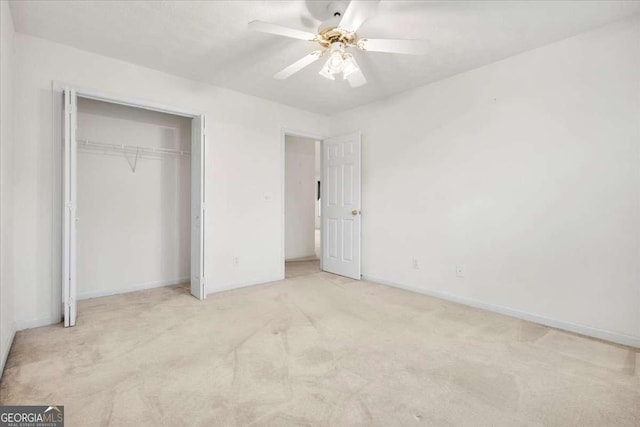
(134, 228)
(243, 160)
(7, 324)
(527, 171)
(300, 196)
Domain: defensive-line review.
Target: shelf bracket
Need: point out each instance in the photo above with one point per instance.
(135, 160)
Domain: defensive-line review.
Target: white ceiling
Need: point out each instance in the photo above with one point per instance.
(209, 40)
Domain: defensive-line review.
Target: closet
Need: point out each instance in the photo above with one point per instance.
(133, 195)
(133, 200)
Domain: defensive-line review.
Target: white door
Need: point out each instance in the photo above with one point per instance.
(69, 254)
(197, 207)
(341, 218)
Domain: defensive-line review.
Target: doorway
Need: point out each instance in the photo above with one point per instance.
(302, 205)
(112, 132)
(338, 194)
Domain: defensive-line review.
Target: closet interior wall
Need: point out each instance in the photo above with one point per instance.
(133, 209)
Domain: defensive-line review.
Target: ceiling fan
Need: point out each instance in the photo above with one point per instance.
(336, 36)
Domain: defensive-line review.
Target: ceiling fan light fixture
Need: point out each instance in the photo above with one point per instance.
(324, 72)
(350, 66)
(335, 63)
(339, 62)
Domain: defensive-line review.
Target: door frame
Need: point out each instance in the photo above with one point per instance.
(310, 135)
(57, 91)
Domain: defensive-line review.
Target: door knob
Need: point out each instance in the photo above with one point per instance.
(355, 212)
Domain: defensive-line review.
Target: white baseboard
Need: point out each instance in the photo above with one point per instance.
(6, 348)
(301, 258)
(230, 287)
(46, 321)
(602, 334)
(21, 325)
(132, 288)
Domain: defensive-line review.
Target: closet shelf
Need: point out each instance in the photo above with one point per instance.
(131, 149)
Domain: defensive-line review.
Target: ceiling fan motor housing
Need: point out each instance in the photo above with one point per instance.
(329, 31)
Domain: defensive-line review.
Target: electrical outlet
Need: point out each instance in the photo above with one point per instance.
(236, 261)
(460, 269)
(414, 264)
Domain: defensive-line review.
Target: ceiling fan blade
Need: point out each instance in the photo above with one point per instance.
(357, 12)
(356, 79)
(266, 27)
(409, 47)
(298, 65)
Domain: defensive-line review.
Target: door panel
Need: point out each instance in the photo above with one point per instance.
(348, 232)
(197, 207)
(332, 185)
(332, 238)
(341, 219)
(70, 216)
(347, 179)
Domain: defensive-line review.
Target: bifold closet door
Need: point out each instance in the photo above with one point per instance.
(341, 205)
(69, 252)
(197, 207)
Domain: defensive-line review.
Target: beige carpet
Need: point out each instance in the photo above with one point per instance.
(316, 350)
(301, 268)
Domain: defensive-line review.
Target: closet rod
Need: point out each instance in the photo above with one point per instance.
(133, 149)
